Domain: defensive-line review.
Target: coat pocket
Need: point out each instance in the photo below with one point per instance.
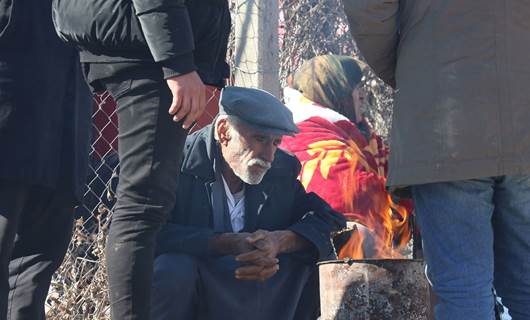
(6, 15)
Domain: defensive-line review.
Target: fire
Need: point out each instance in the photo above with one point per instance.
(382, 225)
(387, 222)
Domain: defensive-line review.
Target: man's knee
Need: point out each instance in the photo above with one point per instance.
(175, 272)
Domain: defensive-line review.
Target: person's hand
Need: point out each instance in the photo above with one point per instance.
(189, 99)
(269, 243)
(261, 263)
(240, 244)
(230, 244)
(258, 272)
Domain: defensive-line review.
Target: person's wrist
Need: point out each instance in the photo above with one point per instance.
(179, 65)
(223, 244)
(281, 237)
(238, 243)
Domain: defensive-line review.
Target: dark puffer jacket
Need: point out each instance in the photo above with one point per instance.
(132, 30)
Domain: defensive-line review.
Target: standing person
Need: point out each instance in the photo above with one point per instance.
(460, 69)
(44, 135)
(142, 52)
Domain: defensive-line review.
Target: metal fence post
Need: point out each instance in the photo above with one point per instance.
(256, 45)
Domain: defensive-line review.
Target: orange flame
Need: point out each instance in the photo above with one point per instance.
(365, 198)
(354, 246)
(387, 222)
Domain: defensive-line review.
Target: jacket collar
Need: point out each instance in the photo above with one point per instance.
(200, 153)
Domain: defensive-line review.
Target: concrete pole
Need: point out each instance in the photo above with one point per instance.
(256, 45)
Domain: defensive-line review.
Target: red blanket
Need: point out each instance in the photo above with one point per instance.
(344, 167)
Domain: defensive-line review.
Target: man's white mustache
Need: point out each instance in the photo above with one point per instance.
(259, 162)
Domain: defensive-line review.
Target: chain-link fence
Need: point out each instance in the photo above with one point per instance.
(79, 288)
(309, 28)
(306, 28)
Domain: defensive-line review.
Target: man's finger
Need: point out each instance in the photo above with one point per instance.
(251, 256)
(248, 270)
(269, 272)
(262, 244)
(258, 235)
(251, 273)
(183, 110)
(267, 261)
(195, 111)
(264, 261)
(175, 104)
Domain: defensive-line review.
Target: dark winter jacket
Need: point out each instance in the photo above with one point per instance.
(461, 72)
(158, 31)
(45, 105)
(279, 202)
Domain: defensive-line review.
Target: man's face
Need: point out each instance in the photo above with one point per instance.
(250, 153)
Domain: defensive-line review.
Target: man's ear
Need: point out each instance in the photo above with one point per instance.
(223, 131)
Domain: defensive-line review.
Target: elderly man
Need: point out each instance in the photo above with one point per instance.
(244, 238)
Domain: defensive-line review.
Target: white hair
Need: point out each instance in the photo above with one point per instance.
(233, 123)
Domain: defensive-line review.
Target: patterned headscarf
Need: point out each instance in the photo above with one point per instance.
(329, 80)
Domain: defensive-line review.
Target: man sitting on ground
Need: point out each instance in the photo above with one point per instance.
(244, 238)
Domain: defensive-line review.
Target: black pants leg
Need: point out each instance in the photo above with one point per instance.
(43, 235)
(150, 148)
(35, 229)
(12, 198)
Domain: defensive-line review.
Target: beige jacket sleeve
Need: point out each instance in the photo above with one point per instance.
(374, 26)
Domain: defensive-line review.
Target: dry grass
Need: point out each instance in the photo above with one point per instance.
(79, 288)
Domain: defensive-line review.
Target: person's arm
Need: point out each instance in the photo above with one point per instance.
(374, 26)
(271, 244)
(290, 242)
(177, 238)
(199, 241)
(167, 30)
(315, 221)
(225, 244)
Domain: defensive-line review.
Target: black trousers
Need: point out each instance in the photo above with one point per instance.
(150, 148)
(35, 229)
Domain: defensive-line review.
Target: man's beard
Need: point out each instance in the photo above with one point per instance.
(255, 176)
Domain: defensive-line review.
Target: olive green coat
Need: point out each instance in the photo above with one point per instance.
(461, 70)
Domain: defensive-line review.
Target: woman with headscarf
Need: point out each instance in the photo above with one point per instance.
(343, 160)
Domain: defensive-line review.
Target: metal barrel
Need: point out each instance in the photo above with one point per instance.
(384, 289)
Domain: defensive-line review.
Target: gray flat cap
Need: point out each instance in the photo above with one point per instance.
(258, 109)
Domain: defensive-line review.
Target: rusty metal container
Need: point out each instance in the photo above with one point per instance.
(385, 289)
